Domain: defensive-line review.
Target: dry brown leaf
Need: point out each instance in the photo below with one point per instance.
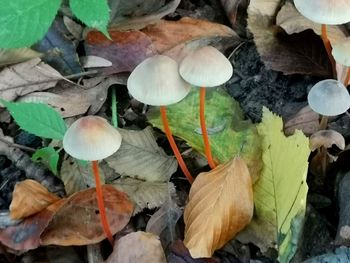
(326, 138)
(220, 205)
(306, 120)
(140, 247)
(30, 197)
(16, 55)
(26, 77)
(78, 221)
(301, 53)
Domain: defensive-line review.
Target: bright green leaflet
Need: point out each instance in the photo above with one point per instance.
(94, 13)
(280, 194)
(38, 119)
(24, 22)
(229, 133)
(48, 156)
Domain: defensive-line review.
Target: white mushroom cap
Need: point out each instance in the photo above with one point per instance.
(329, 12)
(341, 52)
(206, 67)
(329, 98)
(156, 81)
(91, 138)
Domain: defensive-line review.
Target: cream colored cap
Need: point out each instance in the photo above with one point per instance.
(156, 81)
(341, 52)
(206, 67)
(329, 97)
(329, 12)
(91, 138)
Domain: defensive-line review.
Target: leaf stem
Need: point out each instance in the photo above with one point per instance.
(328, 47)
(173, 145)
(100, 203)
(204, 128)
(114, 109)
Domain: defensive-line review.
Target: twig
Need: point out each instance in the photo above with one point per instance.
(22, 147)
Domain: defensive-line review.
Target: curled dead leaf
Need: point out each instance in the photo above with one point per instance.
(138, 247)
(306, 120)
(220, 205)
(326, 138)
(30, 197)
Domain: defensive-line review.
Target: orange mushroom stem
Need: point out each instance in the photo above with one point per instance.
(347, 78)
(204, 129)
(100, 203)
(173, 145)
(328, 47)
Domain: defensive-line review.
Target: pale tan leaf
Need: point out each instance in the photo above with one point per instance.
(16, 55)
(326, 138)
(140, 157)
(306, 120)
(145, 194)
(220, 205)
(140, 247)
(74, 28)
(301, 53)
(26, 77)
(77, 176)
(30, 197)
(95, 62)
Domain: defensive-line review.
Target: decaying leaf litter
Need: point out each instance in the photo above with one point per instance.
(262, 187)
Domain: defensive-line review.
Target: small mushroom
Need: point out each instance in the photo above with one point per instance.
(341, 54)
(156, 81)
(92, 138)
(325, 12)
(205, 67)
(326, 138)
(329, 98)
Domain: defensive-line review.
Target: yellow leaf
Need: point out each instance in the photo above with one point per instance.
(30, 197)
(220, 205)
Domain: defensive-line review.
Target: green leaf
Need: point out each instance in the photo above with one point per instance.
(38, 119)
(94, 13)
(24, 22)
(280, 194)
(49, 156)
(229, 133)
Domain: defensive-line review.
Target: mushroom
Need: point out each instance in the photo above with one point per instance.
(329, 98)
(92, 138)
(156, 81)
(205, 67)
(325, 12)
(341, 54)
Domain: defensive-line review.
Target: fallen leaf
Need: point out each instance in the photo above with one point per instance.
(140, 157)
(134, 15)
(78, 221)
(74, 28)
(326, 138)
(26, 235)
(301, 53)
(140, 247)
(163, 222)
(281, 191)
(145, 194)
(48, 156)
(76, 176)
(230, 133)
(95, 62)
(30, 197)
(220, 205)
(26, 77)
(16, 55)
(305, 120)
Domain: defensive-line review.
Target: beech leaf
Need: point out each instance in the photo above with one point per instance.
(220, 205)
(280, 193)
(30, 197)
(140, 247)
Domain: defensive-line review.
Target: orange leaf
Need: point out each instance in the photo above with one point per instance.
(220, 205)
(78, 220)
(30, 197)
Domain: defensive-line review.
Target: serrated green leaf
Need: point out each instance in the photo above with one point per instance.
(94, 13)
(38, 119)
(229, 133)
(49, 156)
(24, 22)
(280, 194)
